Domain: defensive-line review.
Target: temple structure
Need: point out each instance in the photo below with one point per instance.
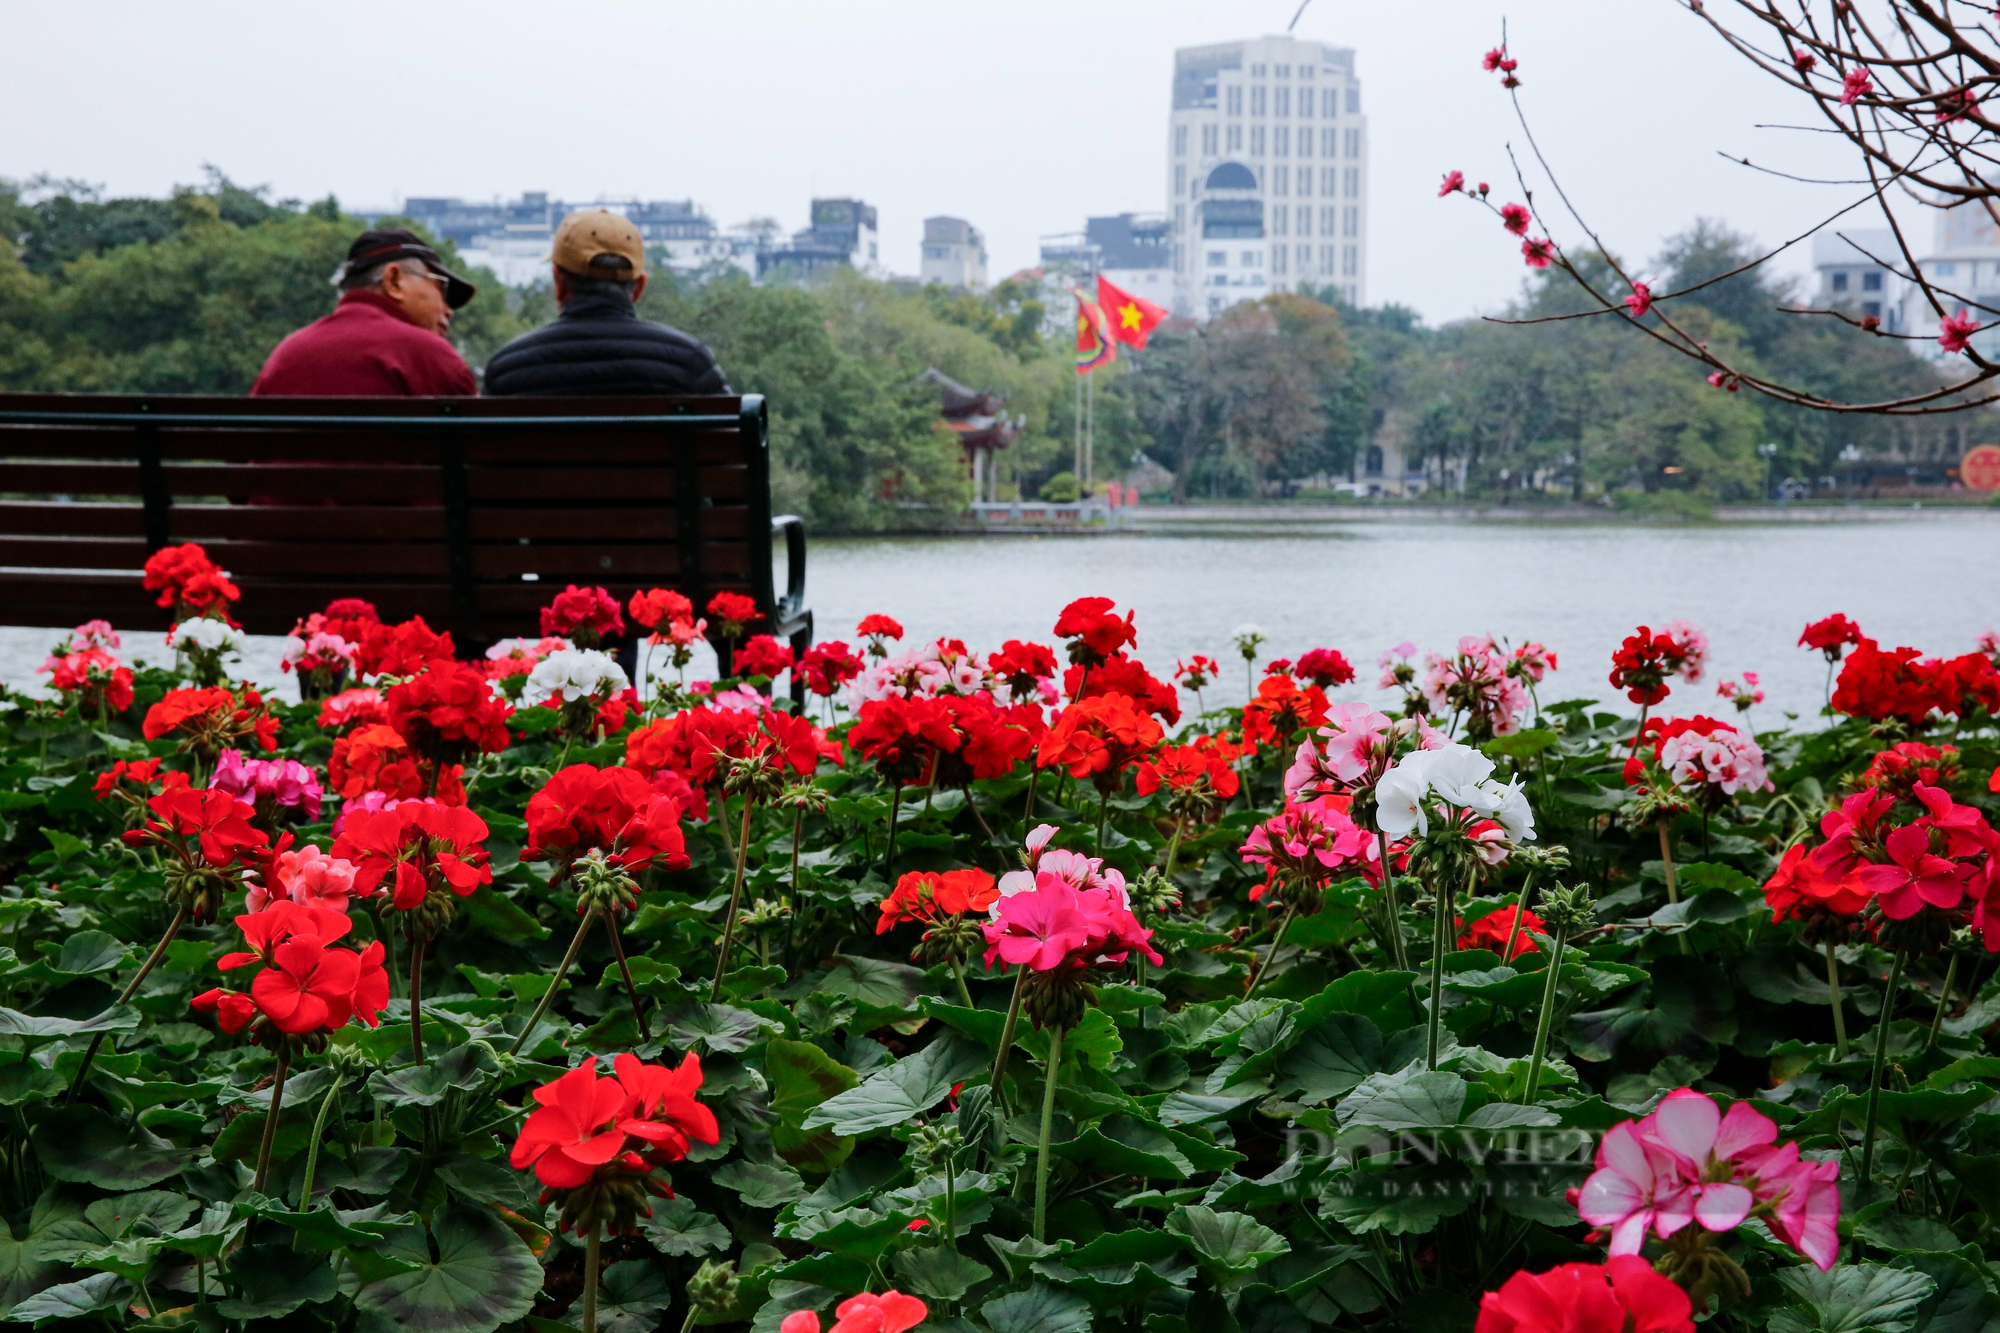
(980, 422)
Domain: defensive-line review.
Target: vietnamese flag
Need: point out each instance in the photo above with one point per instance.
(1132, 319)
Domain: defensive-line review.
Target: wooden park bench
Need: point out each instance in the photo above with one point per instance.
(471, 513)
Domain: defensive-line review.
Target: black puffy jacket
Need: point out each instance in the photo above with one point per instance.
(599, 345)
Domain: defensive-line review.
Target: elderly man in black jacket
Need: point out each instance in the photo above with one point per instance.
(599, 345)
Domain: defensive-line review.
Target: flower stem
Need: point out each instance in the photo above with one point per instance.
(1397, 948)
(950, 1200)
(417, 997)
(1277, 940)
(591, 1255)
(1174, 843)
(1673, 882)
(1833, 998)
(889, 852)
(735, 902)
(312, 1148)
(1875, 1070)
(271, 1120)
(1048, 1118)
(1944, 1001)
(562, 971)
(964, 992)
(131, 989)
(1007, 1030)
(625, 970)
(1520, 907)
(1440, 940)
(1547, 1019)
(1028, 807)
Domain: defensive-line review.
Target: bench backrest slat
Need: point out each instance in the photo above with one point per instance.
(469, 513)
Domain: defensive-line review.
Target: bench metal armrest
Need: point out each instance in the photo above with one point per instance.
(792, 604)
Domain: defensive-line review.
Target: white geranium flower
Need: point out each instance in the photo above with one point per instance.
(1514, 813)
(572, 674)
(1456, 773)
(1399, 797)
(208, 636)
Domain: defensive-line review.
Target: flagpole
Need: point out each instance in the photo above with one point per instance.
(1090, 429)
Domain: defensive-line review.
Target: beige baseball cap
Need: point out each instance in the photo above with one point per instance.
(582, 237)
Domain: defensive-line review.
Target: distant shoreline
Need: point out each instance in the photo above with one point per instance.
(1168, 519)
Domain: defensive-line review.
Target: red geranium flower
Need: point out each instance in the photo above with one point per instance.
(1119, 674)
(448, 713)
(1281, 710)
(891, 1312)
(364, 704)
(1191, 771)
(213, 821)
(1324, 667)
(1622, 1295)
(612, 809)
(762, 656)
(1831, 636)
(584, 616)
(402, 649)
(879, 627)
(1023, 667)
(1098, 738)
(1642, 664)
(144, 772)
(925, 895)
(733, 613)
(427, 846)
(1094, 632)
(188, 582)
(1491, 932)
(596, 1141)
(660, 605)
(828, 666)
(1879, 685)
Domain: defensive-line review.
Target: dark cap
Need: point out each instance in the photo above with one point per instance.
(371, 248)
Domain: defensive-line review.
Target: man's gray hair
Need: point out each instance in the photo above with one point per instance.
(608, 273)
(366, 279)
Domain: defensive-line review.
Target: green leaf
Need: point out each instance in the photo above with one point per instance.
(902, 1092)
(1094, 1040)
(1042, 1308)
(940, 1274)
(1186, 1108)
(1126, 1146)
(631, 1293)
(1399, 1201)
(275, 1280)
(118, 1018)
(1409, 1099)
(464, 1068)
(1520, 745)
(875, 982)
(499, 916)
(855, 1233)
(82, 1144)
(1383, 998)
(760, 1184)
(99, 1291)
(484, 1276)
(678, 1228)
(1853, 1297)
(712, 1028)
(802, 1077)
(1331, 1059)
(88, 952)
(1230, 1243)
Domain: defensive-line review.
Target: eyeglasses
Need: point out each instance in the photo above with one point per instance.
(415, 270)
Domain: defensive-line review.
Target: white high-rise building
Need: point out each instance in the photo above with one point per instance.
(1267, 173)
(954, 255)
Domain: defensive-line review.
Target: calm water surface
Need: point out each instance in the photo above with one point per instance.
(1931, 582)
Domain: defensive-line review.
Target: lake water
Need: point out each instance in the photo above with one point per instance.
(1932, 582)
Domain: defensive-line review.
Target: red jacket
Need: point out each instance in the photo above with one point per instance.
(365, 349)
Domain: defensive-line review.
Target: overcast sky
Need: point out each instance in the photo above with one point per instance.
(1021, 115)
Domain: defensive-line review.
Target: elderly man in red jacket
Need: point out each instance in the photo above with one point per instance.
(386, 336)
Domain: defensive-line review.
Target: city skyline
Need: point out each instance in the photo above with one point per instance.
(1078, 132)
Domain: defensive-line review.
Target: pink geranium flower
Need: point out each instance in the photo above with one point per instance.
(1914, 876)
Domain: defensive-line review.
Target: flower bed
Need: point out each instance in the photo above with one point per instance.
(1003, 989)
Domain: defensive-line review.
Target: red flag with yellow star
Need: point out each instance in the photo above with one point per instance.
(1132, 319)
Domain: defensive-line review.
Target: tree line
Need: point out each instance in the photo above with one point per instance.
(189, 294)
